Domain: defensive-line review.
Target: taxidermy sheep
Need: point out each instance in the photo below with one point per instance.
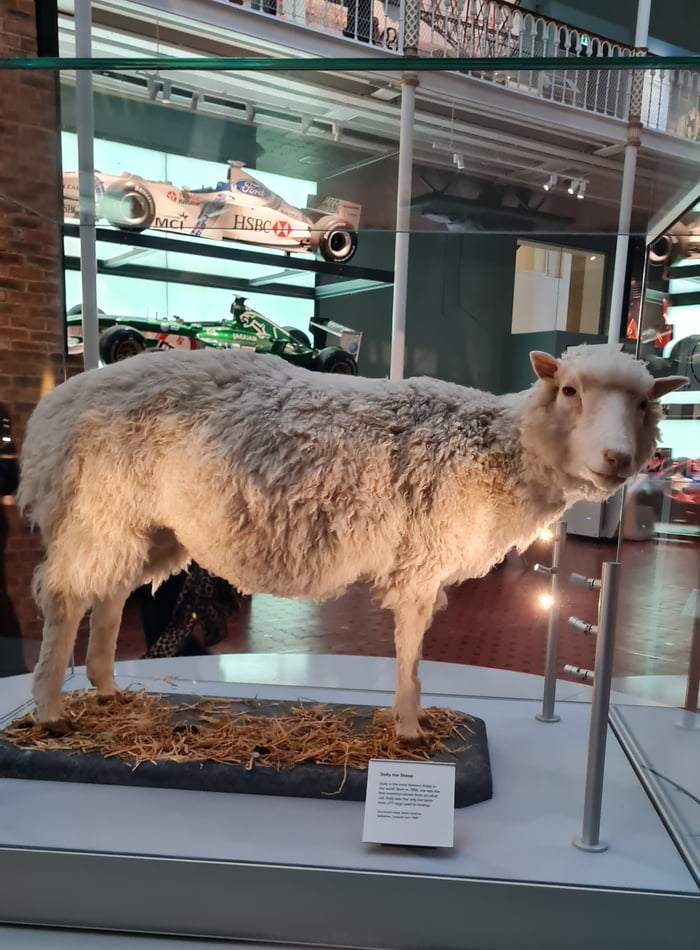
(297, 484)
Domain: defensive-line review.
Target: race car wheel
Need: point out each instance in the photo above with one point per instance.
(119, 343)
(685, 357)
(298, 336)
(128, 205)
(338, 245)
(335, 360)
(661, 249)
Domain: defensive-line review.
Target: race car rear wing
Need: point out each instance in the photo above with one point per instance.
(349, 211)
(327, 332)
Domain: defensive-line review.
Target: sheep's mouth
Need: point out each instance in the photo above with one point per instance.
(607, 481)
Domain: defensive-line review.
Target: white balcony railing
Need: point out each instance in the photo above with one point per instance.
(498, 29)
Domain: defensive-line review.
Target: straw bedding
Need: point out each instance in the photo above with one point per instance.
(149, 727)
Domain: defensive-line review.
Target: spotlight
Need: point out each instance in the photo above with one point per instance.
(458, 159)
(336, 131)
(546, 601)
(195, 100)
(581, 189)
(152, 87)
(550, 183)
(249, 112)
(546, 534)
(305, 124)
(167, 91)
(572, 187)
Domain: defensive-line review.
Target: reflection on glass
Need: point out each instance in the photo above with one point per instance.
(557, 289)
(658, 649)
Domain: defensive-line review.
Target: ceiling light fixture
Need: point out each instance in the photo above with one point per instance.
(152, 87)
(581, 189)
(305, 124)
(458, 159)
(167, 91)
(195, 100)
(249, 112)
(336, 131)
(572, 186)
(550, 183)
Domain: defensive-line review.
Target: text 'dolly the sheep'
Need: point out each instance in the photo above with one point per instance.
(410, 803)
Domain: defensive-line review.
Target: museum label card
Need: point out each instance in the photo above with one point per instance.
(410, 803)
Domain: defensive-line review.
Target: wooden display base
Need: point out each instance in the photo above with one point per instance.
(39, 759)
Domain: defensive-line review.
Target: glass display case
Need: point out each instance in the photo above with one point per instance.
(156, 195)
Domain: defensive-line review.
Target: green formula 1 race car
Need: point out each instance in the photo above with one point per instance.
(121, 337)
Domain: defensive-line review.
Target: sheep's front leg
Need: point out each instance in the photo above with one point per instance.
(105, 620)
(61, 618)
(410, 623)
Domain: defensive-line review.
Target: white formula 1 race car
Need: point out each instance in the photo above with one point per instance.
(240, 209)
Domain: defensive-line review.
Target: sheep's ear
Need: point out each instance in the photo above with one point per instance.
(667, 384)
(543, 364)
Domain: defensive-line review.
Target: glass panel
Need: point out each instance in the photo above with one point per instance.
(658, 647)
(280, 187)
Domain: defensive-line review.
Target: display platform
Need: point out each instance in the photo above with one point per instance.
(289, 726)
(209, 862)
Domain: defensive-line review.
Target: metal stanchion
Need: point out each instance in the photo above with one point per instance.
(550, 664)
(589, 839)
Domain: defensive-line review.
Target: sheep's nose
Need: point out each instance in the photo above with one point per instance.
(617, 461)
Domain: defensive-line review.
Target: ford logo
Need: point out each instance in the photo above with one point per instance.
(252, 188)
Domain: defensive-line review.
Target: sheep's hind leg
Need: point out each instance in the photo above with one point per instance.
(62, 614)
(104, 628)
(410, 624)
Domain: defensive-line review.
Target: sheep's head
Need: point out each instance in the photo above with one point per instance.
(596, 415)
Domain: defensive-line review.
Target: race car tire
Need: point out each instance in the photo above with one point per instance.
(335, 360)
(119, 343)
(298, 336)
(78, 309)
(685, 357)
(668, 248)
(128, 205)
(337, 245)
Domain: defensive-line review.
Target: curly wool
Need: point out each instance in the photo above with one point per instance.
(280, 480)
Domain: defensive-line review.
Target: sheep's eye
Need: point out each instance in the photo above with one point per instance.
(643, 404)
(568, 390)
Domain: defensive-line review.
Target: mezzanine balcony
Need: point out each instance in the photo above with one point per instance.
(483, 28)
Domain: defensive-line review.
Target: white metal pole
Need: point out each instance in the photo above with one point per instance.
(629, 171)
(85, 128)
(409, 81)
(641, 32)
(589, 839)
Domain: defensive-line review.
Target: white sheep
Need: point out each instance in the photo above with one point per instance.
(297, 484)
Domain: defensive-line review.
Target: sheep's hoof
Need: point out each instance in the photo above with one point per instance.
(104, 699)
(58, 727)
(412, 737)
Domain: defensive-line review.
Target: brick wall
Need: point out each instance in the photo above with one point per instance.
(31, 342)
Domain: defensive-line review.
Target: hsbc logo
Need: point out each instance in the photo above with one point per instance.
(282, 229)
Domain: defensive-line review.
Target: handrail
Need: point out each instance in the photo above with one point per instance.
(345, 63)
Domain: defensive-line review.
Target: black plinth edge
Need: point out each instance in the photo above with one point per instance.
(307, 780)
